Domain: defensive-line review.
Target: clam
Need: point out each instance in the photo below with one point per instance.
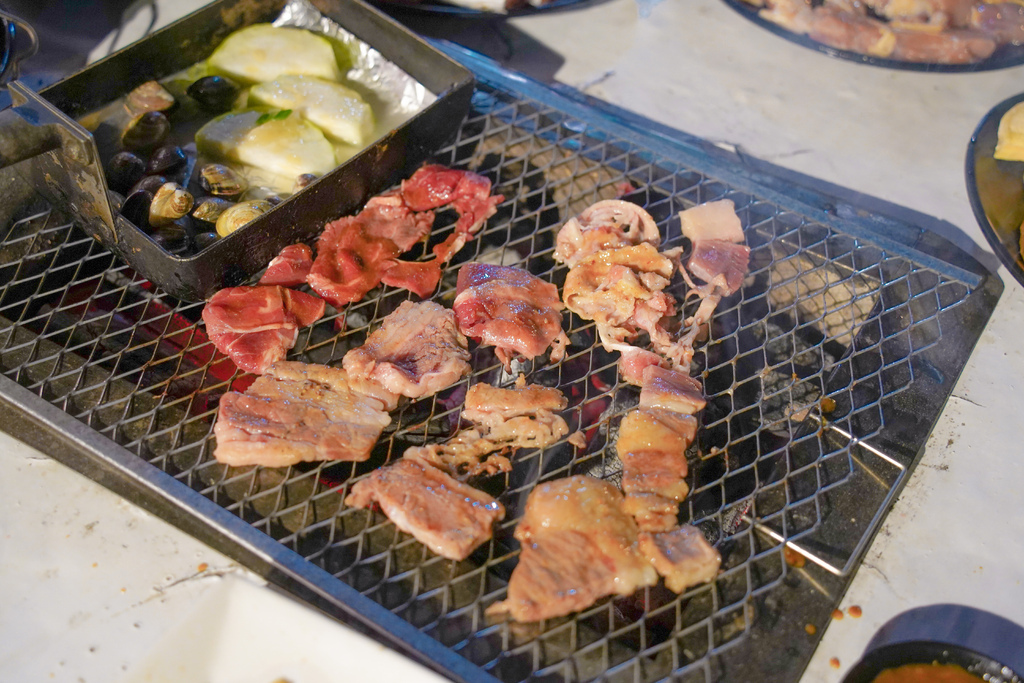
(124, 170)
(146, 131)
(205, 239)
(135, 208)
(149, 183)
(209, 209)
(150, 96)
(240, 214)
(171, 237)
(166, 160)
(303, 181)
(214, 93)
(220, 180)
(170, 203)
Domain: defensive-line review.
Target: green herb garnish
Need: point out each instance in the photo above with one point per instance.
(279, 116)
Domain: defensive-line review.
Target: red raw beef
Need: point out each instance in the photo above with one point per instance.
(290, 267)
(256, 326)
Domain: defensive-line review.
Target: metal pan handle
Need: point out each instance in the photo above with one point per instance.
(18, 42)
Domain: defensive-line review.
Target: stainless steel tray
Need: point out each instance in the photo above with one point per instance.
(825, 375)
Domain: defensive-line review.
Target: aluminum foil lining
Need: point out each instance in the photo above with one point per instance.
(400, 92)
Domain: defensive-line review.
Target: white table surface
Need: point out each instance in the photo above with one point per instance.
(89, 584)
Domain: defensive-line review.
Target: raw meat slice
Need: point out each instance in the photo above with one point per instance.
(712, 221)
(683, 556)
(578, 545)
(290, 267)
(449, 517)
(298, 413)
(256, 326)
(416, 351)
(510, 309)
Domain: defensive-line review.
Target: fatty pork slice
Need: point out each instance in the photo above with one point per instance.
(290, 267)
(504, 420)
(719, 256)
(607, 224)
(447, 516)
(256, 326)
(652, 447)
(672, 390)
(417, 351)
(299, 413)
(622, 291)
(578, 546)
(683, 556)
(510, 309)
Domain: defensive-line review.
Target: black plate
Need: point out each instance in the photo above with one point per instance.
(1004, 57)
(996, 190)
(432, 7)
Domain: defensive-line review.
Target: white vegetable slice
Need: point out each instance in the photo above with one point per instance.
(262, 52)
(339, 111)
(286, 147)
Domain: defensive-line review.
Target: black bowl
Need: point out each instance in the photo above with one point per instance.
(983, 643)
(996, 190)
(928, 652)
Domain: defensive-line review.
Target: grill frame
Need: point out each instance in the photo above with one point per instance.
(799, 597)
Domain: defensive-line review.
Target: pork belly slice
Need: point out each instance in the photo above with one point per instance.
(652, 446)
(298, 413)
(447, 516)
(607, 224)
(672, 390)
(510, 309)
(578, 546)
(504, 421)
(290, 267)
(683, 556)
(416, 351)
(256, 326)
(651, 511)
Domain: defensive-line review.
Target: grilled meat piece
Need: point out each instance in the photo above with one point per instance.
(449, 517)
(652, 447)
(578, 545)
(712, 221)
(607, 224)
(651, 511)
(510, 309)
(290, 267)
(621, 290)
(671, 390)
(683, 556)
(416, 351)
(505, 420)
(299, 413)
(256, 326)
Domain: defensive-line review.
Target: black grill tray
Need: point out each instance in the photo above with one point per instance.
(824, 374)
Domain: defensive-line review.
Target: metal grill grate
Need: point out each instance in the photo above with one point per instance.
(804, 370)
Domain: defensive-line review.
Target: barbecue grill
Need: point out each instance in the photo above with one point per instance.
(824, 375)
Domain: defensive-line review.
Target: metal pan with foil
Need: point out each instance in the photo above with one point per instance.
(66, 161)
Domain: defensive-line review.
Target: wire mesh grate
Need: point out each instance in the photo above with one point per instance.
(797, 368)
